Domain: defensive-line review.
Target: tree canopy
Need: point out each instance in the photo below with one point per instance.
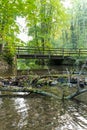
(48, 22)
(44, 18)
(9, 10)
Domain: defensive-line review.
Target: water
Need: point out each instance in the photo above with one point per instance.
(42, 113)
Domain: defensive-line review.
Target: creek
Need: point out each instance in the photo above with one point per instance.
(42, 113)
(38, 112)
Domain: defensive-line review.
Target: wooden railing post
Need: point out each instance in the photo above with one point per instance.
(79, 52)
(63, 52)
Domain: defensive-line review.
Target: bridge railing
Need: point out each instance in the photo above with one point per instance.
(26, 50)
(40, 51)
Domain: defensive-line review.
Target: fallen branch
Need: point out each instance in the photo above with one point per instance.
(41, 92)
(30, 90)
(76, 94)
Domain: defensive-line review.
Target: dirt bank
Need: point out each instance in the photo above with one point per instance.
(5, 69)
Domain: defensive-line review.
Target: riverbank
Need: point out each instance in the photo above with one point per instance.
(7, 70)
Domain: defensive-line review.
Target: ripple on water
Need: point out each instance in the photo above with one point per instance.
(75, 118)
(40, 113)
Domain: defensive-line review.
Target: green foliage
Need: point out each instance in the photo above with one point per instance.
(9, 10)
(76, 33)
(9, 54)
(45, 19)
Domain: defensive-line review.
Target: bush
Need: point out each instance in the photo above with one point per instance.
(8, 55)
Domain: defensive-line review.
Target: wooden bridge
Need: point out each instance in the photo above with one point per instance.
(27, 52)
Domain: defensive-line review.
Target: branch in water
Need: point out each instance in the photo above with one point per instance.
(26, 89)
(76, 94)
(30, 90)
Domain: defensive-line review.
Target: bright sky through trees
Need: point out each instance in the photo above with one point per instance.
(67, 4)
(23, 35)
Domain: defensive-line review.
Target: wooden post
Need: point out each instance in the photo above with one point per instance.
(79, 52)
(63, 52)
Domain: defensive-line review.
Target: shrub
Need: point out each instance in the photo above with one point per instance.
(8, 55)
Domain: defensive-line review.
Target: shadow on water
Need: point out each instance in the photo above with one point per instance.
(42, 113)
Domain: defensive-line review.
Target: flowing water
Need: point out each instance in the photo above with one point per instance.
(42, 113)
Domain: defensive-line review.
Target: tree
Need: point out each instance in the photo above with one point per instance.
(45, 19)
(9, 10)
(77, 32)
(8, 27)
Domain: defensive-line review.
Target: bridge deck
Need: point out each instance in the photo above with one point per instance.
(38, 56)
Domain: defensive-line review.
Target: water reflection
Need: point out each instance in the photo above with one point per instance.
(72, 122)
(21, 107)
(41, 113)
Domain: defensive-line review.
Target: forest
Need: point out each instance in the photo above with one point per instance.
(48, 24)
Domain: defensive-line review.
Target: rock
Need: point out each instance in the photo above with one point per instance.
(81, 84)
(53, 83)
(1, 84)
(73, 80)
